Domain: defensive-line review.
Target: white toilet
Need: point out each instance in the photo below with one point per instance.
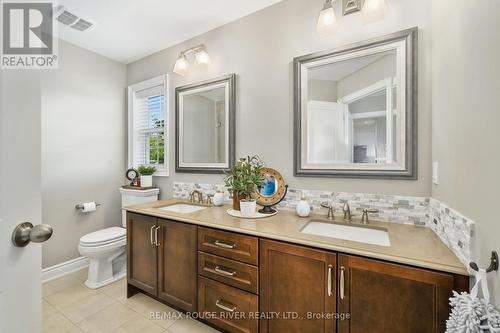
(106, 248)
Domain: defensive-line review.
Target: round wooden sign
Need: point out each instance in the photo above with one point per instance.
(273, 190)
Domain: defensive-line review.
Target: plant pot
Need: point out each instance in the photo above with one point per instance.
(236, 201)
(146, 181)
(248, 207)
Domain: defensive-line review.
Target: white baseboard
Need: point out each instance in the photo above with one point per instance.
(64, 268)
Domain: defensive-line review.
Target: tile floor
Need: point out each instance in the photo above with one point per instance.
(70, 307)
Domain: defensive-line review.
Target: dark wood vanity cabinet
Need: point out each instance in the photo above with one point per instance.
(177, 264)
(141, 253)
(386, 297)
(281, 287)
(301, 280)
(162, 259)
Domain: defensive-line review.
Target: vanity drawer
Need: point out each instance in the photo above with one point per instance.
(228, 271)
(230, 245)
(231, 309)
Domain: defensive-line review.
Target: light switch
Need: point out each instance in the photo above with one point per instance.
(435, 178)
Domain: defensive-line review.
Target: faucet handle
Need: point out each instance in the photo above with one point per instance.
(329, 206)
(366, 211)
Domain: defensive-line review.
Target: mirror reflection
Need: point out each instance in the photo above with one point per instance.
(204, 126)
(352, 111)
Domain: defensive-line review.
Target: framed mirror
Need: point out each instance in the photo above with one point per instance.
(356, 110)
(205, 126)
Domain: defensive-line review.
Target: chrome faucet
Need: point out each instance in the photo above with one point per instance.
(347, 212)
(198, 194)
(328, 206)
(364, 216)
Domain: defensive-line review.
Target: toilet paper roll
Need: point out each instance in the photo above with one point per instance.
(88, 207)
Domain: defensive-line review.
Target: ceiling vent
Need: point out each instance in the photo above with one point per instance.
(64, 16)
(81, 25)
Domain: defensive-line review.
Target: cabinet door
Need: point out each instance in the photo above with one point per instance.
(177, 264)
(141, 252)
(295, 279)
(384, 297)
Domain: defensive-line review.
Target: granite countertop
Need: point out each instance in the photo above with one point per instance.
(410, 245)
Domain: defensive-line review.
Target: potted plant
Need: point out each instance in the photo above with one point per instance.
(243, 180)
(146, 172)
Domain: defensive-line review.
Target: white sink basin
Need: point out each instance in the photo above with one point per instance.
(352, 233)
(182, 208)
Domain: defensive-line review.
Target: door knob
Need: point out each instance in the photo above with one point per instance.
(25, 233)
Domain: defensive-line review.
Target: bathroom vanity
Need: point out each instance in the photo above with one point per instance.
(265, 275)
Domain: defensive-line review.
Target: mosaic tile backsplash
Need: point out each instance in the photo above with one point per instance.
(455, 230)
(392, 208)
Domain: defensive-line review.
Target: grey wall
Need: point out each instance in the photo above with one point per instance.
(466, 116)
(260, 48)
(83, 147)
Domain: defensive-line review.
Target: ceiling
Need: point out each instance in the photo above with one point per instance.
(128, 30)
(339, 70)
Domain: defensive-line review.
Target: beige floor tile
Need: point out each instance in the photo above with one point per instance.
(109, 319)
(57, 323)
(188, 325)
(70, 295)
(116, 290)
(47, 309)
(139, 325)
(150, 308)
(81, 274)
(57, 285)
(78, 311)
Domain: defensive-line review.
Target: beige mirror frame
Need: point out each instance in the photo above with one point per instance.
(407, 43)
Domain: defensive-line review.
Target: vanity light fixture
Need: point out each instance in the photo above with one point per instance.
(201, 58)
(327, 21)
(371, 11)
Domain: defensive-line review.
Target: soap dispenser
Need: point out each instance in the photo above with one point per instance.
(303, 209)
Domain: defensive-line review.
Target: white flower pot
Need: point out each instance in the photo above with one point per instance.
(146, 181)
(248, 208)
(218, 199)
(303, 209)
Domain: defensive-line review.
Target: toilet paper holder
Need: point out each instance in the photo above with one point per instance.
(80, 206)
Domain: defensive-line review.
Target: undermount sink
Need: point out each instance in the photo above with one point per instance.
(182, 208)
(370, 235)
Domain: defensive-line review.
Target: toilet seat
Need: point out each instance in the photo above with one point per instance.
(104, 237)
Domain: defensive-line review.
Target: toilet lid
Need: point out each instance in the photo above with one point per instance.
(104, 236)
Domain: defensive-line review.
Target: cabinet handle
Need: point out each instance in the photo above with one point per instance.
(151, 235)
(330, 268)
(225, 308)
(156, 236)
(342, 282)
(222, 271)
(224, 245)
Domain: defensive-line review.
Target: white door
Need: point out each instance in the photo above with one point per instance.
(20, 200)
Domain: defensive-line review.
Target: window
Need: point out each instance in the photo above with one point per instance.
(148, 124)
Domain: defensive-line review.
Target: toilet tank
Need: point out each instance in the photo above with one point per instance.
(136, 197)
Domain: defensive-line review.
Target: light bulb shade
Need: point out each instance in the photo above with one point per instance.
(201, 58)
(181, 65)
(327, 22)
(373, 10)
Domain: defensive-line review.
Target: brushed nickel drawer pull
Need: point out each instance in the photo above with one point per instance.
(151, 235)
(330, 268)
(224, 245)
(225, 308)
(222, 271)
(156, 236)
(342, 282)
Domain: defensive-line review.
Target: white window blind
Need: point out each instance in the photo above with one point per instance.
(148, 124)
